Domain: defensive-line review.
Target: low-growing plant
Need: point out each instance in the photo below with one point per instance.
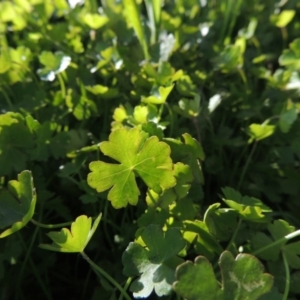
(158, 140)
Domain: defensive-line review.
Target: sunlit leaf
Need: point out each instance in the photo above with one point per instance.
(146, 157)
(242, 279)
(154, 265)
(248, 208)
(74, 240)
(259, 132)
(54, 64)
(17, 204)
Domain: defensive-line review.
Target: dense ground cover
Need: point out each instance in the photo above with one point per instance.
(162, 136)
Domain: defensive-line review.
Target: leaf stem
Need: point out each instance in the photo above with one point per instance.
(171, 119)
(8, 101)
(234, 234)
(62, 85)
(106, 275)
(50, 226)
(128, 281)
(246, 165)
(278, 242)
(287, 277)
(26, 260)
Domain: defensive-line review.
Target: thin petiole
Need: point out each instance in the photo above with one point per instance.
(106, 275)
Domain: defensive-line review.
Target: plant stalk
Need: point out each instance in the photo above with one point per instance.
(106, 275)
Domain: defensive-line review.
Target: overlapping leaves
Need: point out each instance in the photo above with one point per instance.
(154, 264)
(242, 279)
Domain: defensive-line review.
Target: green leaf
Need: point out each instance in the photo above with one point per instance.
(104, 91)
(259, 132)
(290, 57)
(190, 284)
(278, 230)
(189, 152)
(183, 177)
(154, 265)
(94, 21)
(249, 208)
(133, 17)
(284, 18)
(75, 240)
(197, 233)
(54, 64)
(158, 95)
(186, 87)
(147, 158)
(81, 106)
(5, 60)
(231, 58)
(17, 204)
(242, 279)
(189, 108)
(221, 222)
(154, 10)
(16, 142)
(287, 119)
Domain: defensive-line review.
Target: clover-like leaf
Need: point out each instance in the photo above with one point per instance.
(17, 204)
(242, 279)
(147, 158)
(75, 240)
(248, 208)
(94, 21)
(259, 132)
(197, 281)
(54, 64)
(158, 95)
(155, 265)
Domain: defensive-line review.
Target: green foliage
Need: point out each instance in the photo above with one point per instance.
(74, 240)
(53, 64)
(155, 265)
(242, 278)
(248, 208)
(178, 121)
(148, 158)
(17, 204)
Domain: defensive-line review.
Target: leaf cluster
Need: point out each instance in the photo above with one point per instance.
(176, 123)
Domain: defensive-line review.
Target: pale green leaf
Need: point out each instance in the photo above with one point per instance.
(259, 132)
(284, 18)
(94, 21)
